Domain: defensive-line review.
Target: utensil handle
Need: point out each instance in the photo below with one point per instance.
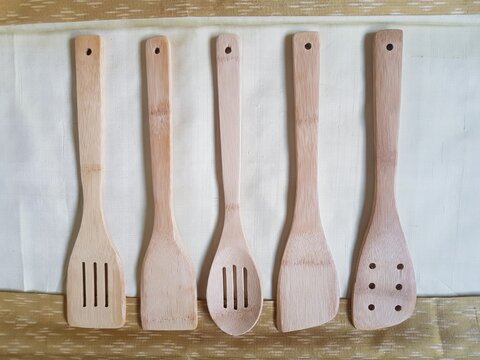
(228, 78)
(88, 61)
(387, 73)
(306, 68)
(159, 117)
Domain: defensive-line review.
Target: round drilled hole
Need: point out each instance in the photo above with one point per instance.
(371, 307)
(400, 266)
(399, 287)
(308, 46)
(398, 308)
(371, 286)
(372, 266)
(389, 47)
(89, 52)
(157, 51)
(228, 50)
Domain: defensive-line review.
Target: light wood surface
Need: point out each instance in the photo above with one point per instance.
(33, 11)
(234, 294)
(385, 292)
(168, 284)
(95, 283)
(307, 291)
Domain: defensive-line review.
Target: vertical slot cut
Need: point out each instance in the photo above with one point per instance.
(84, 285)
(245, 288)
(106, 285)
(224, 272)
(235, 303)
(95, 284)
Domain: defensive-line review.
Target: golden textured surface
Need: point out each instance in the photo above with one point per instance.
(34, 326)
(34, 11)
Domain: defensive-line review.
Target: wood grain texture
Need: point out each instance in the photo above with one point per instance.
(95, 282)
(168, 284)
(385, 291)
(234, 293)
(35, 11)
(32, 326)
(308, 290)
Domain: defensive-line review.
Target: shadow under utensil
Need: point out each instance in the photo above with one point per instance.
(369, 166)
(217, 233)
(78, 216)
(292, 162)
(147, 160)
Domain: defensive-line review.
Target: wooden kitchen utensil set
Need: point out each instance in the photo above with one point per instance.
(384, 291)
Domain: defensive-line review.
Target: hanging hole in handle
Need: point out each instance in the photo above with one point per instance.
(389, 47)
(308, 46)
(157, 50)
(228, 50)
(371, 307)
(89, 52)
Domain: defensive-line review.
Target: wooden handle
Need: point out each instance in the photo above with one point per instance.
(306, 68)
(387, 73)
(228, 77)
(159, 116)
(88, 61)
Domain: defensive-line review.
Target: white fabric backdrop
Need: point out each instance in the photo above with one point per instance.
(438, 178)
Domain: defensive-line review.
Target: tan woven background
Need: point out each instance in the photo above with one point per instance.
(35, 11)
(34, 326)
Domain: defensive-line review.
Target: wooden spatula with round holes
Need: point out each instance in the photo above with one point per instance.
(168, 286)
(384, 293)
(234, 294)
(95, 282)
(307, 292)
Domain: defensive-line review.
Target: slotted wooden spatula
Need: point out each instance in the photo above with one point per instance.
(234, 294)
(168, 286)
(307, 291)
(95, 282)
(384, 292)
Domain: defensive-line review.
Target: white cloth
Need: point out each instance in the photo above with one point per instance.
(438, 175)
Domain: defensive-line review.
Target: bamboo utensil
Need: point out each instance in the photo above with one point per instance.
(95, 282)
(168, 286)
(307, 292)
(234, 294)
(384, 292)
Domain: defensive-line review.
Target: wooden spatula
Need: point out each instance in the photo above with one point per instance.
(307, 291)
(234, 294)
(384, 292)
(168, 286)
(95, 283)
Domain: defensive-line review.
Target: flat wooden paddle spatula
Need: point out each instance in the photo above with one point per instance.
(168, 286)
(307, 292)
(95, 282)
(234, 294)
(384, 293)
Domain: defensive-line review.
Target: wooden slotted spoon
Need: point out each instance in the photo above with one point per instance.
(234, 294)
(168, 285)
(307, 292)
(384, 292)
(95, 282)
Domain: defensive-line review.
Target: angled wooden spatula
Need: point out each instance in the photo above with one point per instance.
(384, 293)
(234, 293)
(95, 282)
(307, 292)
(168, 286)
